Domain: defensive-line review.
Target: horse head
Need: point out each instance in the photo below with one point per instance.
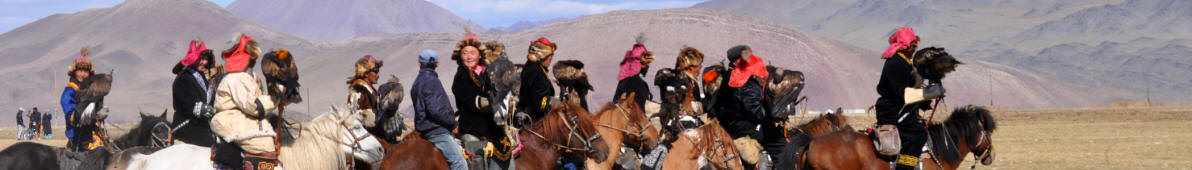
(572, 128)
(152, 130)
(933, 63)
(281, 77)
(351, 135)
(968, 127)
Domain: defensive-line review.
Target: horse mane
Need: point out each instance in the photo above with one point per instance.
(825, 124)
(312, 148)
(964, 123)
(711, 130)
(142, 134)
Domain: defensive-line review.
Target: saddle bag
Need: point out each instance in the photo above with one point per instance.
(888, 142)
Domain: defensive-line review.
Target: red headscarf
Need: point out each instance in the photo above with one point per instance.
(192, 55)
(754, 67)
(632, 64)
(900, 40)
(238, 59)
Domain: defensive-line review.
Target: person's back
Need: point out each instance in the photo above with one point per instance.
(433, 116)
(47, 122)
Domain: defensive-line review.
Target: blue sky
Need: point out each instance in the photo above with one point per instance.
(488, 13)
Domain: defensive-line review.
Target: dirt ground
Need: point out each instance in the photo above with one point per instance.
(1124, 138)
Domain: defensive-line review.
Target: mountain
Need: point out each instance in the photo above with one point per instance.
(140, 41)
(1091, 45)
(523, 25)
(348, 19)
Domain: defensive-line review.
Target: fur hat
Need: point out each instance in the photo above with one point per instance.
(242, 55)
(540, 49)
(368, 64)
(495, 50)
(81, 63)
(457, 52)
(689, 57)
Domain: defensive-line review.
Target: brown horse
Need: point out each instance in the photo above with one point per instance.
(568, 129)
(969, 129)
(802, 134)
(623, 123)
(709, 145)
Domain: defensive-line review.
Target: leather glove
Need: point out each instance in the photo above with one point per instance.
(933, 91)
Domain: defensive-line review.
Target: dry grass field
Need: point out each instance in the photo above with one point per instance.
(1121, 138)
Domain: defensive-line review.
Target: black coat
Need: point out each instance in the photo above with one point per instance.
(187, 90)
(472, 120)
(637, 85)
(895, 78)
(21, 118)
(740, 109)
(536, 90)
(47, 121)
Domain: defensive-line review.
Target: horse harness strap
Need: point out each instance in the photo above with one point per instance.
(587, 143)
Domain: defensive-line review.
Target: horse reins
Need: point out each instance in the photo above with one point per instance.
(640, 134)
(587, 143)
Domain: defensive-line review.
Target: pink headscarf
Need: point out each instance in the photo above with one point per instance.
(632, 64)
(900, 40)
(237, 60)
(192, 55)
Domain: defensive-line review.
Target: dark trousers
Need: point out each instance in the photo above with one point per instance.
(913, 136)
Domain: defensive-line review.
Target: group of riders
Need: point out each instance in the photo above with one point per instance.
(228, 105)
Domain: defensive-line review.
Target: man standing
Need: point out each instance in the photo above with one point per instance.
(20, 122)
(35, 122)
(47, 121)
(433, 116)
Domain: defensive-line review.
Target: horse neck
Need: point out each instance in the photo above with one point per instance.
(614, 118)
(314, 146)
(956, 142)
(139, 136)
(540, 147)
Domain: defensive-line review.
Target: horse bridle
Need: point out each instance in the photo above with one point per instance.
(355, 144)
(629, 124)
(984, 140)
(572, 134)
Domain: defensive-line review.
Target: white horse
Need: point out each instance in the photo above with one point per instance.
(323, 143)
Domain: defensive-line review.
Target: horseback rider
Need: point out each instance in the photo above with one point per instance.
(241, 108)
(362, 97)
(894, 111)
(80, 133)
(631, 78)
(740, 107)
(433, 116)
(536, 87)
(471, 88)
(192, 96)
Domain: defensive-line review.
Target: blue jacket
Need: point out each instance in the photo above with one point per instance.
(433, 114)
(68, 106)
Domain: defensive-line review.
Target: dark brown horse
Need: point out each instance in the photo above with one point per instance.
(969, 129)
(623, 124)
(566, 130)
(801, 135)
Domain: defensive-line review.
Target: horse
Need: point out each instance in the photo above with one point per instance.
(322, 143)
(968, 129)
(802, 134)
(709, 145)
(623, 124)
(566, 130)
(29, 155)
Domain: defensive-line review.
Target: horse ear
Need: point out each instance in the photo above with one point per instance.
(839, 111)
(163, 113)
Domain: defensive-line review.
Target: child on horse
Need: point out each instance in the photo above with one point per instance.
(241, 108)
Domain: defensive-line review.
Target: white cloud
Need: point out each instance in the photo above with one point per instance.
(491, 13)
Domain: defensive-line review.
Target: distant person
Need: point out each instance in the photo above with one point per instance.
(47, 121)
(20, 121)
(35, 121)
